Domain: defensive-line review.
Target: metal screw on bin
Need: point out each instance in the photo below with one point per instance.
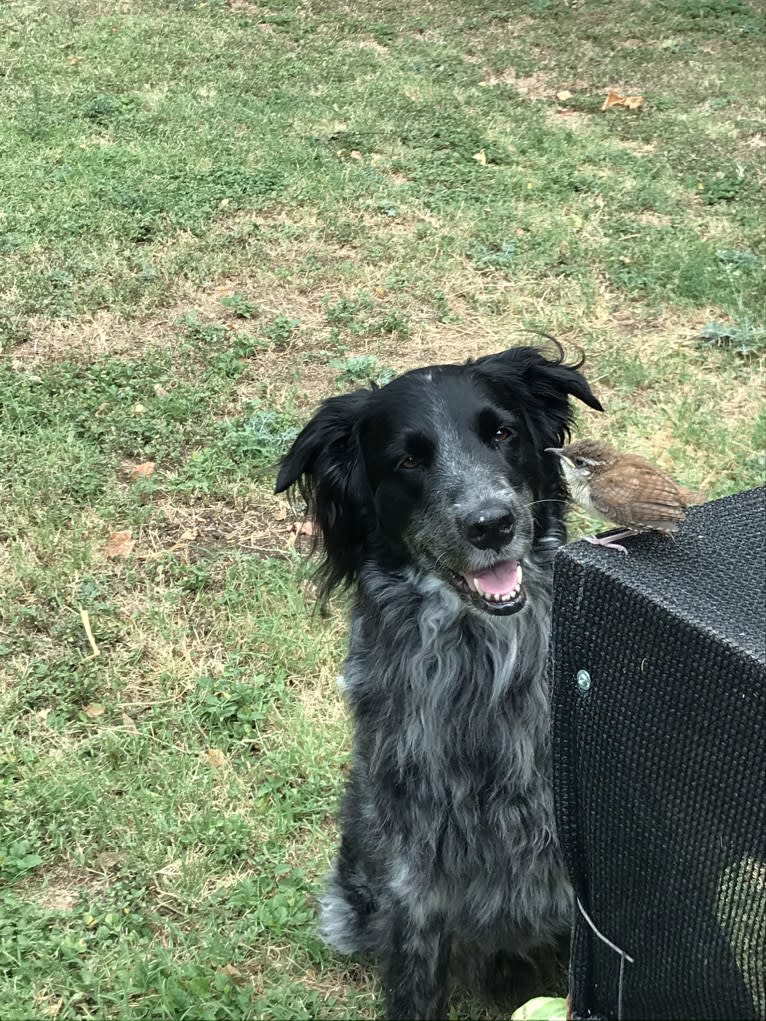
(583, 680)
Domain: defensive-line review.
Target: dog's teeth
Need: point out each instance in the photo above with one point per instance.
(474, 585)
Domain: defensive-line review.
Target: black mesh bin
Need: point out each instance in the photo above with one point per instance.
(659, 736)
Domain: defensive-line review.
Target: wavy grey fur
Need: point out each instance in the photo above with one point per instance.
(448, 861)
(451, 765)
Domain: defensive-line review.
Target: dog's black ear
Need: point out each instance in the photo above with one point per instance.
(539, 386)
(548, 379)
(325, 464)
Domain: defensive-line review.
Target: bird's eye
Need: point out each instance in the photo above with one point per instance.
(410, 462)
(579, 462)
(502, 434)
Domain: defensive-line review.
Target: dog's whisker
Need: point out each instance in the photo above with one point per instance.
(440, 560)
(550, 500)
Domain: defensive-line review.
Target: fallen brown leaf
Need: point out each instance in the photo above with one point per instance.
(138, 409)
(143, 470)
(129, 724)
(189, 535)
(160, 391)
(563, 95)
(120, 545)
(234, 974)
(280, 514)
(480, 157)
(629, 102)
(215, 758)
(305, 527)
(299, 528)
(108, 859)
(94, 710)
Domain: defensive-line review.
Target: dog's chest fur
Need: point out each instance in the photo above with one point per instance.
(451, 714)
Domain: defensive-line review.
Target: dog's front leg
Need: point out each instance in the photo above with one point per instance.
(416, 969)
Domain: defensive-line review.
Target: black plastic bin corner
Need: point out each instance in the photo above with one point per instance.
(659, 737)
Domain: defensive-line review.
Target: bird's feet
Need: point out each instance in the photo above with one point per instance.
(607, 541)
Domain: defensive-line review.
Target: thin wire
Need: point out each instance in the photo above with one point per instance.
(620, 987)
(612, 946)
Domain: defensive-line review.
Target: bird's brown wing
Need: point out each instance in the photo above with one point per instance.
(641, 496)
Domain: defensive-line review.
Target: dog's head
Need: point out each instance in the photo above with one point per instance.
(444, 467)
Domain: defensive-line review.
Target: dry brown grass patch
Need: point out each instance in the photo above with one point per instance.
(91, 337)
(535, 86)
(651, 219)
(338, 984)
(264, 525)
(319, 695)
(62, 887)
(365, 42)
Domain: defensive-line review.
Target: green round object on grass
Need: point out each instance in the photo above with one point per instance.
(542, 1008)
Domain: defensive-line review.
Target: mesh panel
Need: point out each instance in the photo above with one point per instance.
(660, 765)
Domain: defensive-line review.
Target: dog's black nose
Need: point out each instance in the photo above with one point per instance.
(489, 527)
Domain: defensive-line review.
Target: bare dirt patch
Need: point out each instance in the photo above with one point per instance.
(638, 148)
(244, 7)
(366, 42)
(62, 887)
(575, 120)
(88, 338)
(266, 526)
(535, 86)
(652, 219)
(320, 695)
(334, 985)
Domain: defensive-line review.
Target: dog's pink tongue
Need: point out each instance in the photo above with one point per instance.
(498, 579)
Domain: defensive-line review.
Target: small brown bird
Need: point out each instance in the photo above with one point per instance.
(623, 488)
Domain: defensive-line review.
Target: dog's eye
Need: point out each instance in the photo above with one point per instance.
(411, 462)
(502, 434)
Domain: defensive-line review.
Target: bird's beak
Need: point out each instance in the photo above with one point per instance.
(559, 452)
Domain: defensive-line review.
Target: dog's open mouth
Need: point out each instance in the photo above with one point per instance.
(498, 589)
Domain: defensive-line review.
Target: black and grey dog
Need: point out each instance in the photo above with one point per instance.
(434, 497)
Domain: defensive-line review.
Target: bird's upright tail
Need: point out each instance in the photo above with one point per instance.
(691, 498)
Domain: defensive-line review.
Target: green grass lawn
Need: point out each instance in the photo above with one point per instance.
(212, 214)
